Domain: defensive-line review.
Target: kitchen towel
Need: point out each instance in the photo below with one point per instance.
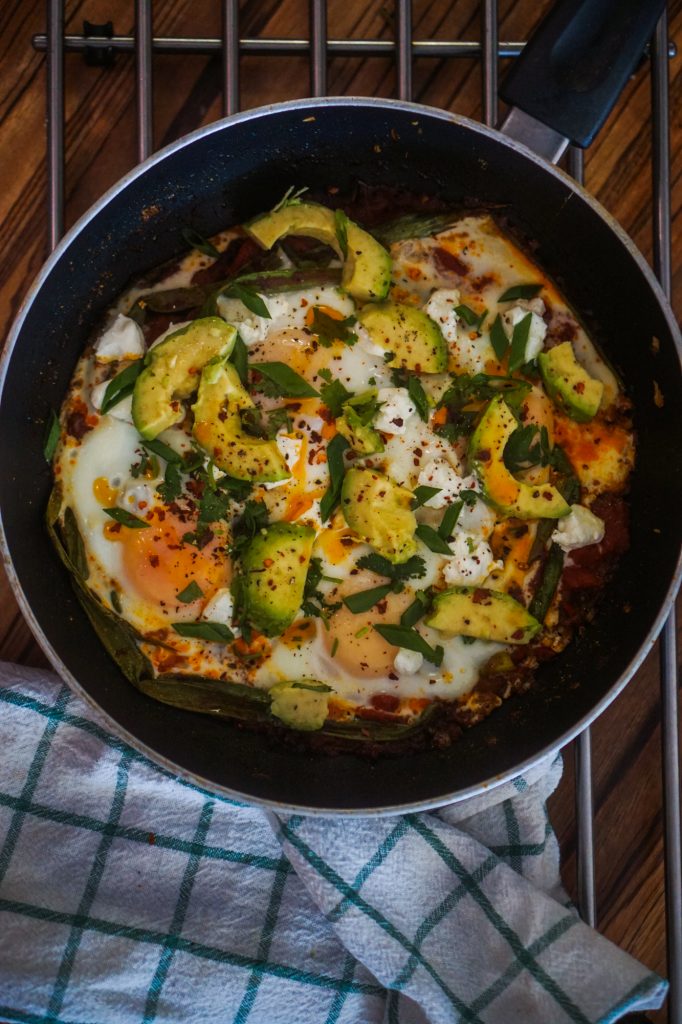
(128, 895)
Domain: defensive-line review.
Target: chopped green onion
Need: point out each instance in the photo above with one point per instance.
(416, 392)
(312, 685)
(126, 518)
(470, 316)
(51, 436)
(366, 599)
(197, 241)
(517, 356)
(240, 359)
(287, 382)
(121, 386)
(411, 640)
(432, 539)
(330, 500)
(498, 337)
(164, 450)
(250, 298)
(416, 610)
(520, 291)
(192, 592)
(424, 493)
(215, 632)
(449, 520)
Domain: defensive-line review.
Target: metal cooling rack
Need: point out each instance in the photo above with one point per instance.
(99, 44)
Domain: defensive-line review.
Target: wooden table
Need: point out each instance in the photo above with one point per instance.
(100, 147)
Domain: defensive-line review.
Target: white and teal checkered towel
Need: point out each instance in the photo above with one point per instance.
(129, 896)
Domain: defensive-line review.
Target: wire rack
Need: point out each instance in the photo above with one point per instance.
(99, 44)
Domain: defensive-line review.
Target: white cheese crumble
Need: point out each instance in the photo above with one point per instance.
(396, 409)
(578, 529)
(123, 410)
(136, 498)
(220, 608)
(441, 309)
(472, 560)
(439, 473)
(123, 339)
(536, 334)
(407, 663)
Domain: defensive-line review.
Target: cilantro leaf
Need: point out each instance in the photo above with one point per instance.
(527, 446)
(328, 329)
(334, 395)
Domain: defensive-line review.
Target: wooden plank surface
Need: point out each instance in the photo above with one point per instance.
(100, 147)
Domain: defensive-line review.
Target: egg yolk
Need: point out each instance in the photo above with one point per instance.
(159, 566)
(360, 650)
(299, 351)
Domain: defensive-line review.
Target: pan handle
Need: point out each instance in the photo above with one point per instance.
(573, 69)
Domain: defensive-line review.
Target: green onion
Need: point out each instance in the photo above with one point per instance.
(163, 450)
(551, 575)
(411, 640)
(250, 298)
(215, 632)
(51, 436)
(366, 599)
(335, 647)
(470, 316)
(240, 359)
(287, 382)
(341, 225)
(423, 493)
(517, 356)
(520, 291)
(197, 241)
(416, 610)
(192, 592)
(312, 685)
(126, 518)
(432, 539)
(121, 386)
(416, 392)
(498, 337)
(449, 520)
(330, 500)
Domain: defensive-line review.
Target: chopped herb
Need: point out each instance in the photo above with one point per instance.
(171, 488)
(341, 225)
(240, 359)
(413, 568)
(115, 599)
(215, 632)
(498, 337)
(253, 518)
(520, 291)
(361, 632)
(250, 298)
(121, 386)
(313, 685)
(334, 395)
(335, 449)
(366, 599)
(335, 647)
(449, 520)
(465, 389)
(265, 425)
(389, 357)
(197, 241)
(567, 482)
(416, 392)
(283, 381)
(213, 506)
(314, 602)
(432, 539)
(411, 640)
(528, 446)
(147, 466)
(120, 515)
(517, 355)
(468, 639)
(51, 436)
(416, 610)
(468, 496)
(551, 573)
(192, 592)
(328, 329)
(471, 317)
(292, 197)
(424, 493)
(163, 450)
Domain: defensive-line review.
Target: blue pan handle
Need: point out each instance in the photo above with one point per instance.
(577, 62)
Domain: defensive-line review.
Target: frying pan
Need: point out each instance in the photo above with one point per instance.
(229, 171)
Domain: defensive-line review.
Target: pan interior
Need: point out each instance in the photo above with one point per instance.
(225, 175)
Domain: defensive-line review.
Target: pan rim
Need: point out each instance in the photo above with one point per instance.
(68, 240)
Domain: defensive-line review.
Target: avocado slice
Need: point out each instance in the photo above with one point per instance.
(482, 613)
(362, 437)
(499, 487)
(301, 705)
(172, 372)
(380, 511)
(218, 428)
(413, 338)
(273, 573)
(366, 265)
(568, 384)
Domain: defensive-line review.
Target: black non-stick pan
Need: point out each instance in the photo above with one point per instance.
(226, 173)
